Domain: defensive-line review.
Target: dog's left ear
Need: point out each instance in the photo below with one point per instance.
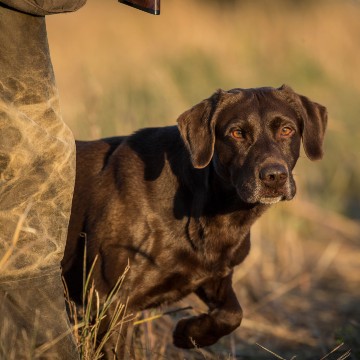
(197, 128)
(314, 118)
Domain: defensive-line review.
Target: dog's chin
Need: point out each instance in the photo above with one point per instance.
(286, 194)
(273, 199)
(265, 199)
(270, 200)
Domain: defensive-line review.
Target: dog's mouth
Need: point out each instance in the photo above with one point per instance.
(270, 200)
(276, 195)
(268, 184)
(257, 193)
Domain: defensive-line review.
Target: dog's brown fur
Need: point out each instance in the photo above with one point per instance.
(178, 202)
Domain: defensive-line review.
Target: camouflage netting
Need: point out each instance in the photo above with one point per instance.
(33, 320)
(37, 172)
(37, 158)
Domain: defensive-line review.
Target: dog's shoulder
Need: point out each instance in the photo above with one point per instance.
(153, 140)
(154, 149)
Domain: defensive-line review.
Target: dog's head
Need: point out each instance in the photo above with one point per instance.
(252, 138)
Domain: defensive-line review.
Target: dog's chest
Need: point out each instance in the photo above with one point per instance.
(222, 241)
(182, 269)
(173, 284)
(183, 256)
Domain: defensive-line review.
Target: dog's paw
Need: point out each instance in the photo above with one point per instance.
(197, 331)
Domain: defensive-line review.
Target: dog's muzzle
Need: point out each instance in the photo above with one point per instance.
(275, 184)
(270, 184)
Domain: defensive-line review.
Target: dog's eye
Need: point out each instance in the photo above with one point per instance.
(286, 132)
(237, 134)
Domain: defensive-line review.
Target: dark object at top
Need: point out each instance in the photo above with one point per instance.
(150, 6)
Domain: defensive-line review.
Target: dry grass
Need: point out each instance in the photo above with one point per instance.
(119, 70)
(87, 318)
(8, 252)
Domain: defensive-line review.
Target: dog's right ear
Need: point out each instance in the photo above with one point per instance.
(314, 120)
(197, 129)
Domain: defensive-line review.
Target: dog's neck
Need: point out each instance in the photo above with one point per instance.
(217, 209)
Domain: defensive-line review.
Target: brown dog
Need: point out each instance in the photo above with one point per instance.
(178, 202)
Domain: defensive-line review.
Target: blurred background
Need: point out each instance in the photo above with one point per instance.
(119, 69)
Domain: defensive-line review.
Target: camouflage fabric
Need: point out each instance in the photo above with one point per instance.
(33, 320)
(37, 172)
(44, 7)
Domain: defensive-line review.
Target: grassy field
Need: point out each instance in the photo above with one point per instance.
(119, 70)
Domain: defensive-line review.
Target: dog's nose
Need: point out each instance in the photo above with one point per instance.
(274, 175)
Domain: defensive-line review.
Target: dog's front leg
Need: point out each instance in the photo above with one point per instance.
(224, 316)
